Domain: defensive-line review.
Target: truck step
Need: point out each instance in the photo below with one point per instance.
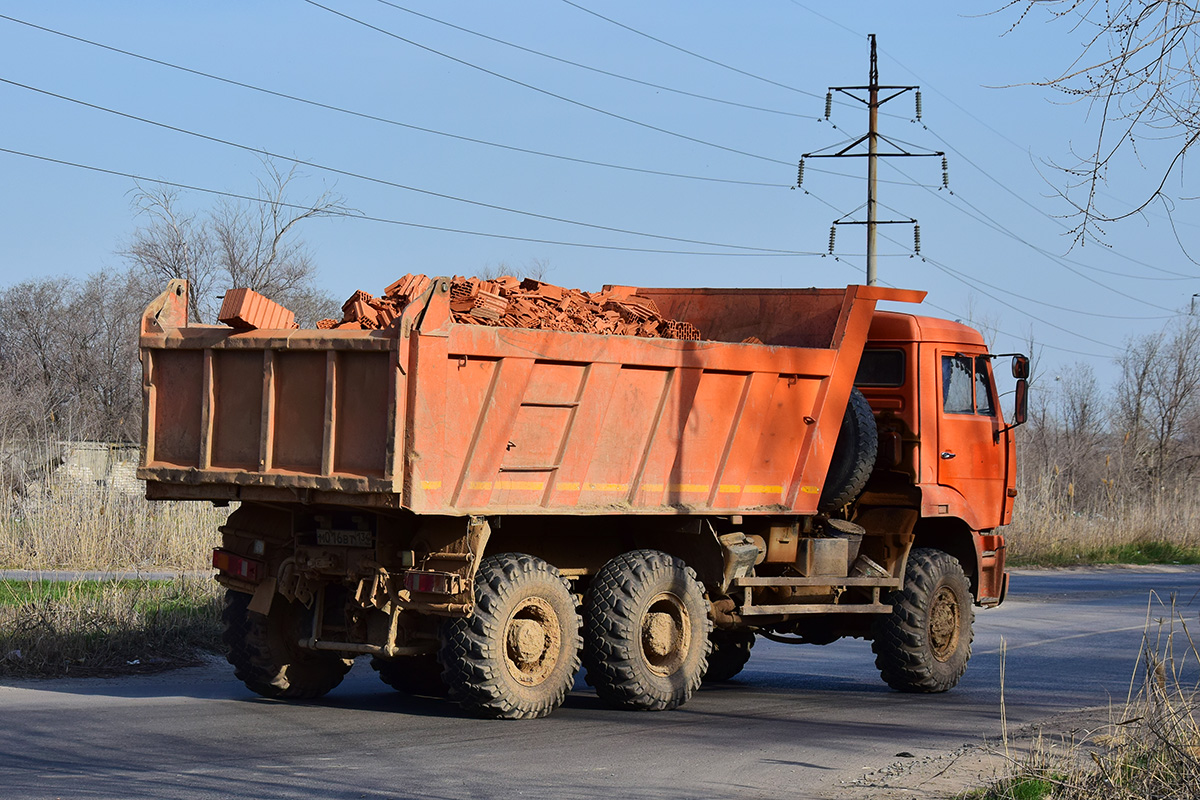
(882, 583)
(818, 608)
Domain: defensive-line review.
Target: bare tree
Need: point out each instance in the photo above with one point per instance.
(174, 244)
(69, 359)
(33, 316)
(1064, 445)
(1131, 403)
(1173, 392)
(235, 245)
(104, 373)
(1137, 70)
(1157, 409)
(1083, 430)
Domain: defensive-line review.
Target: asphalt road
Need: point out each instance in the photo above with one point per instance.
(800, 722)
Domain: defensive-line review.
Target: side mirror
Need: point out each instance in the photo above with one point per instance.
(1021, 411)
(1020, 367)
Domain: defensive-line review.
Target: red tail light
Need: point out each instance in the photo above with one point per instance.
(433, 582)
(232, 564)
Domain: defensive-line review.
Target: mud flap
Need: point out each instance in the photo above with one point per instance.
(263, 595)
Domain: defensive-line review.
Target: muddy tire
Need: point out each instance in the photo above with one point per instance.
(729, 654)
(420, 675)
(925, 643)
(265, 653)
(516, 656)
(853, 455)
(646, 628)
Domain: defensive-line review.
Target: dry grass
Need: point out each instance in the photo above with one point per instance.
(106, 627)
(91, 628)
(76, 526)
(1051, 529)
(1151, 747)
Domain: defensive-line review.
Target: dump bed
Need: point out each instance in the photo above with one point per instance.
(445, 418)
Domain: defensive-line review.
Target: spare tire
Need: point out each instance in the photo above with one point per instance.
(853, 455)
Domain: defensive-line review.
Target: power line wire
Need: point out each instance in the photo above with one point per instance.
(547, 92)
(692, 53)
(1059, 222)
(958, 276)
(988, 221)
(383, 182)
(963, 279)
(596, 70)
(421, 129)
(953, 313)
(982, 218)
(386, 120)
(1052, 305)
(385, 220)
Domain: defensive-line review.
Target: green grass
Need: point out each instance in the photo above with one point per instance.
(89, 628)
(1144, 552)
(17, 593)
(1020, 788)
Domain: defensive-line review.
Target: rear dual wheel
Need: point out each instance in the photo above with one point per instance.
(646, 632)
(645, 644)
(516, 656)
(730, 652)
(265, 650)
(417, 675)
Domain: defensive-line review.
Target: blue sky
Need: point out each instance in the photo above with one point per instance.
(994, 246)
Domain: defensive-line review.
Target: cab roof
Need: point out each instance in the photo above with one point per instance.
(899, 327)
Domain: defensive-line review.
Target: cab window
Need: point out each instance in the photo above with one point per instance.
(881, 367)
(983, 389)
(966, 386)
(956, 385)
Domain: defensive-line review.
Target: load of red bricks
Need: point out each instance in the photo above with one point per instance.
(509, 302)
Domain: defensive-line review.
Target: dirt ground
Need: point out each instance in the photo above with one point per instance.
(975, 765)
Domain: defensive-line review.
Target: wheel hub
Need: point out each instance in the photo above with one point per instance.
(532, 641)
(666, 634)
(944, 624)
(660, 634)
(526, 640)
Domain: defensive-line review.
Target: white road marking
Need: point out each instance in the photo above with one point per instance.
(1062, 639)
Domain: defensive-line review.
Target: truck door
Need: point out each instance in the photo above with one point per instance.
(971, 454)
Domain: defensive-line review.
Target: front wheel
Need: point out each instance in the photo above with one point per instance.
(265, 651)
(925, 643)
(646, 630)
(516, 656)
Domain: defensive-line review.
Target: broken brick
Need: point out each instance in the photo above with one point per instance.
(247, 310)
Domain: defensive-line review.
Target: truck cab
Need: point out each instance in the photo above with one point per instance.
(946, 451)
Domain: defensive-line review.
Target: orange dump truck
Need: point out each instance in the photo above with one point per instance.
(481, 510)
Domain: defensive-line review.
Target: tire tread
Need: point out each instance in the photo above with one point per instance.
(470, 662)
(899, 639)
(608, 621)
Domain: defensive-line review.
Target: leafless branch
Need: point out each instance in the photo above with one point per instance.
(1137, 70)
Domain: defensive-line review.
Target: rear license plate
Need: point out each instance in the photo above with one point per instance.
(336, 538)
